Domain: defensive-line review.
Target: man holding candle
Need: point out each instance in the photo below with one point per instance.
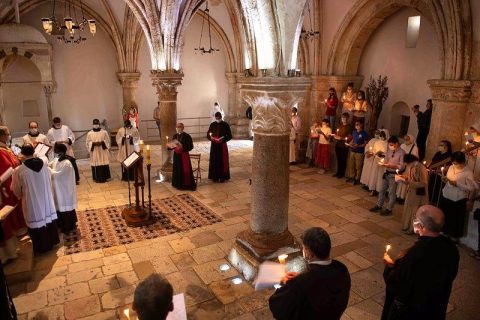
(341, 148)
(219, 134)
(357, 149)
(419, 281)
(393, 161)
(182, 144)
(320, 292)
(98, 145)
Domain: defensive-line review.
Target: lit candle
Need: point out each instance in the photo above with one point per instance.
(387, 248)
(126, 312)
(382, 160)
(325, 100)
(337, 131)
(141, 146)
(396, 171)
(424, 163)
(149, 161)
(441, 169)
(210, 134)
(167, 139)
(282, 258)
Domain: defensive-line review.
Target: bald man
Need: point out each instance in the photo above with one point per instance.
(419, 282)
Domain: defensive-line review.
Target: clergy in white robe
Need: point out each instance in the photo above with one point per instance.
(410, 147)
(127, 137)
(61, 134)
(31, 182)
(382, 147)
(33, 136)
(98, 145)
(64, 189)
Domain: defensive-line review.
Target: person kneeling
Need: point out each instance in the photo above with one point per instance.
(321, 292)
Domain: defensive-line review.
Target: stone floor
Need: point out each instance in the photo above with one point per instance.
(100, 284)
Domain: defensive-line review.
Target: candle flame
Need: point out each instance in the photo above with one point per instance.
(282, 258)
(126, 312)
(388, 248)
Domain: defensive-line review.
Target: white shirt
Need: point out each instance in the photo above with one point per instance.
(465, 184)
(63, 185)
(296, 123)
(62, 134)
(35, 190)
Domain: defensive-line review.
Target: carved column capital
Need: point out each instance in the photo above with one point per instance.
(49, 88)
(128, 79)
(451, 90)
(166, 84)
(271, 116)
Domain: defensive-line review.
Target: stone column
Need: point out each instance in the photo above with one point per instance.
(450, 103)
(268, 235)
(129, 82)
(166, 85)
(49, 89)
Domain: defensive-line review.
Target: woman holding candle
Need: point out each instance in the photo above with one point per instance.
(331, 111)
(341, 148)
(415, 180)
(459, 182)
(182, 175)
(322, 158)
(312, 142)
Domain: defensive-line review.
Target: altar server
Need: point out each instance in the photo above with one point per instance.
(127, 137)
(64, 189)
(31, 183)
(61, 133)
(98, 145)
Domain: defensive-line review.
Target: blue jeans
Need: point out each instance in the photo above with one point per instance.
(390, 185)
(331, 119)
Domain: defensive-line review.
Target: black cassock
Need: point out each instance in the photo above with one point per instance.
(418, 285)
(182, 176)
(7, 308)
(218, 168)
(321, 292)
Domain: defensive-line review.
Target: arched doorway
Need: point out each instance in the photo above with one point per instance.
(22, 92)
(399, 119)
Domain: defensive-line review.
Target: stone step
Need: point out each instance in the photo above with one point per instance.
(21, 269)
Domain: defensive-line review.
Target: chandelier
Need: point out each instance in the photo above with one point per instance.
(309, 34)
(68, 30)
(200, 47)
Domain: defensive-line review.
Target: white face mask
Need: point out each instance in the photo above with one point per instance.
(218, 120)
(96, 126)
(377, 136)
(33, 131)
(57, 125)
(179, 130)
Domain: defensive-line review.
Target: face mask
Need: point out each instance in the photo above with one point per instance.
(56, 155)
(218, 120)
(96, 126)
(377, 136)
(391, 148)
(179, 130)
(441, 148)
(57, 125)
(33, 131)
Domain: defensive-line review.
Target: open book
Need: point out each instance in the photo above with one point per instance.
(41, 150)
(179, 311)
(269, 274)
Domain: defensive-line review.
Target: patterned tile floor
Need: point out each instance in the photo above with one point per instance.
(100, 284)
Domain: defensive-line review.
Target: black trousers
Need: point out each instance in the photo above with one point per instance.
(342, 155)
(422, 143)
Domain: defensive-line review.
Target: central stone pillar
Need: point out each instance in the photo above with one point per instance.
(129, 83)
(166, 85)
(268, 235)
(450, 103)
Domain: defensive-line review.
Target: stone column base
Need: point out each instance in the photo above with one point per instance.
(167, 171)
(250, 250)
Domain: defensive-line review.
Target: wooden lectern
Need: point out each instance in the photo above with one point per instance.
(136, 216)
